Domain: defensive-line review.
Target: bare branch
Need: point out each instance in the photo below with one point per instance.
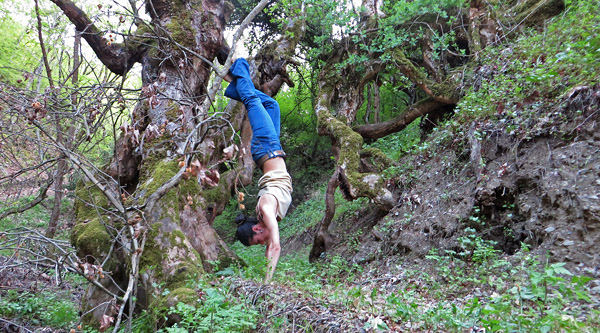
(41, 196)
(375, 131)
(88, 174)
(21, 328)
(118, 58)
(61, 252)
(41, 39)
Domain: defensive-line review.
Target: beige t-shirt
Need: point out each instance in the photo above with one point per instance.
(279, 184)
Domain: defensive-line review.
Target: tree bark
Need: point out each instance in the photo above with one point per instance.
(376, 102)
(58, 194)
(322, 240)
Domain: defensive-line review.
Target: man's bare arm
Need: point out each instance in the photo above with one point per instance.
(272, 253)
(268, 208)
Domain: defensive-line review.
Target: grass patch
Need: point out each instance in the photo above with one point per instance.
(39, 309)
(36, 217)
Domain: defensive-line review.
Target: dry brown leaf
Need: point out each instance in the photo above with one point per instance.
(195, 168)
(210, 178)
(229, 152)
(105, 322)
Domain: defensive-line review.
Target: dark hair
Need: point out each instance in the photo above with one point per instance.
(244, 231)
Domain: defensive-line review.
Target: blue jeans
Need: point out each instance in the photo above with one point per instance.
(263, 111)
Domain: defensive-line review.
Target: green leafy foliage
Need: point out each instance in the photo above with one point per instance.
(44, 309)
(217, 312)
(523, 295)
(18, 52)
(398, 144)
(541, 297)
(529, 74)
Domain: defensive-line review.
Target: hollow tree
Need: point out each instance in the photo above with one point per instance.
(401, 40)
(144, 224)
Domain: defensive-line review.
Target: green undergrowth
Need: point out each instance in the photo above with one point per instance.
(521, 81)
(475, 287)
(479, 287)
(472, 288)
(39, 309)
(538, 68)
(218, 309)
(36, 217)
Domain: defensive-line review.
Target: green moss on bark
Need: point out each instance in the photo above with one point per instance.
(171, 285)
(181, 30)
(220, 193)
(154, 254)
(350, 143)
(377, 157)
(142, 39)
(156, 173)
(172, 112)
(89, 197)
(181, 294)
(91, 238)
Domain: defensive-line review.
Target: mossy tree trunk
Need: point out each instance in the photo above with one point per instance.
(144, 225)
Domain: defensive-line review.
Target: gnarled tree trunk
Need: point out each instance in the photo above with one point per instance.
(145, 225)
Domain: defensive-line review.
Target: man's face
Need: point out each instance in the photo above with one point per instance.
(260, 236)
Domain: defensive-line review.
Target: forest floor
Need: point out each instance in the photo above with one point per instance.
(30, 291)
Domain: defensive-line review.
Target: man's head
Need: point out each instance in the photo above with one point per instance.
(245, 232)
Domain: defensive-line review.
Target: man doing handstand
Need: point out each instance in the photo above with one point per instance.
(274, 197)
